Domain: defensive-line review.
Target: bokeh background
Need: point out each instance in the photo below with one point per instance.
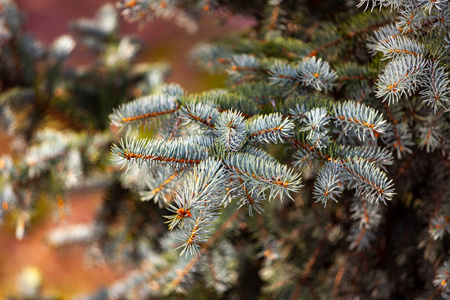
(66, 272)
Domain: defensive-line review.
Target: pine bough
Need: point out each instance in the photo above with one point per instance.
(225, 161)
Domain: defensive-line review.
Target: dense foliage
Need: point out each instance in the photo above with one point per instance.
(319, 106)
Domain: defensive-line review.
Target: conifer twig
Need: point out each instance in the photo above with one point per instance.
(205, 247)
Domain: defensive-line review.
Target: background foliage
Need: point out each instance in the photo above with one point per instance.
(357, 103)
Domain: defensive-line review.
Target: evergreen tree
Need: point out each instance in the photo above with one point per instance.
(332, 135)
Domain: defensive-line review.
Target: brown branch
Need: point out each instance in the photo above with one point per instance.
(435, 293)
(258, 177)
(310, 264)
(247, 194)
(310, 148)
(363, 96)
(274, 18)
(205, 247)
(394, 128)
(338, 278)
(57, 114)
(283, 76)
(166, 182)
(130, 155)
(279, 128)
(360, 236)
(360, 122)
(249, 69)
(345, 37)
(205, 122)
(175, 129)
(405, 166)
(364, 179)
(149, 115)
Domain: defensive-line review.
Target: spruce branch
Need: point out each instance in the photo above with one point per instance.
(260, 92)
(379, 156)
(339, 276)
(102, 26)
(270, 128)
(442, 19)
(20, 97)
(205, 247)
(430, 136)
(159, 185)
(353, 72)
(197, 203)
(258, 152)
(359, 238)
(355, 118)
(442, 279)
(398, 137)
(315, 122)
(400, 77)
(359, 119)
(173, 90)
(213, 57)
(231, 130)
(298, 107)
(249, 196)
(366, 214)
(40, 158)
(415, 62)
(143, 110)
(244, 67)
(300, 141)
(433, 4)
(61, 48)
(382, 35)
(327, 185)
(223, 100)
(331, 179)
(246, 104)
(316, 73)
(395, 4)
(392, 47)
(440, 225)
(176, 153)
(202, 114)
(310, 72)
(213, 153)
(283, 74)
(354, 172)
(368, 180)
(368, 26)
(410, 17)
(435, 87)
(303, 158)
(274, 177)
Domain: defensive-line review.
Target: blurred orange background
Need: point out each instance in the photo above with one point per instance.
(65, 272)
